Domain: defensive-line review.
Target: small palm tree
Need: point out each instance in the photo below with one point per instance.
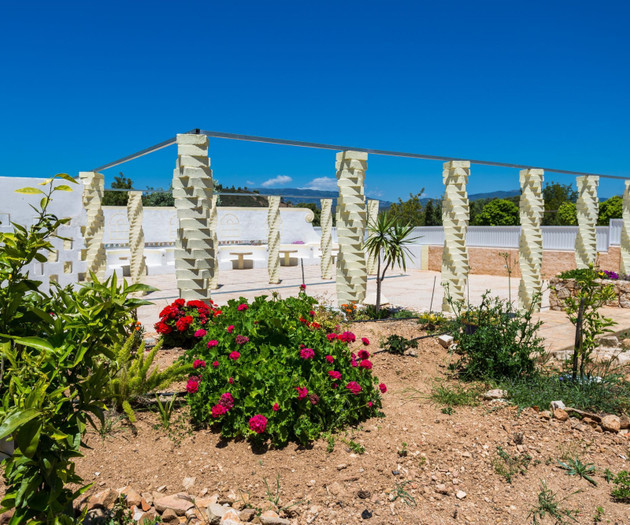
(387, 242)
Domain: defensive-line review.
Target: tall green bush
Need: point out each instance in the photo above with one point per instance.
(56, 360)
(494, 341)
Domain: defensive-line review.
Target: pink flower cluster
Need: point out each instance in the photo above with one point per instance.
(225, 404)
(234, 356)
(192, 385)
(200, 333)
(199, 363)
(241, 339)
(302, 392)
(242, 306)
(258, 423)
(354, 387)
(212, 342)
(334, 374)
(307, 353)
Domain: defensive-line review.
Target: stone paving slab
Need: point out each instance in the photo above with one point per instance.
(411, 289)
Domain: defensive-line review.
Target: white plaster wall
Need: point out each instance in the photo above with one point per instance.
(65, 265)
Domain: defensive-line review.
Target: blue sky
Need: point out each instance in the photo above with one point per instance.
(537, 82)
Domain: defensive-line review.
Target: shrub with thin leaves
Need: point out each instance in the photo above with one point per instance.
(134, 376)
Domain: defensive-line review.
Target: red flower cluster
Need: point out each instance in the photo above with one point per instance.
(347, 337)
(364, 354)
(180, 315)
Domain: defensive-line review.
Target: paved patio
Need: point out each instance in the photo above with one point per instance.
(416, 289)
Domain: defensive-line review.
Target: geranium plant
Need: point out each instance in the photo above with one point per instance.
(268, 370)
(182, 323)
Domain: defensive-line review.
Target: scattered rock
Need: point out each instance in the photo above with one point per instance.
(169, 515)
(411, 353)
(445, 340)
(625, 343)
(335, 488)
(148, 497)
(560, 414)
(460, 494)
(441, 488)
(215, 512)
(496, 393)
(624, 422)
(144, 504)
(161, 489)
(230, 518)
(94, 516)
(611, 423)
(188, 483)
(175, 503)
(364, 494)
(269, 517)
(247, 515)
(366, 514)
(342, 466)
(148, 517)
(608, 341)
(105, 499)
(133, 498)
(545, 414)
(557, 404)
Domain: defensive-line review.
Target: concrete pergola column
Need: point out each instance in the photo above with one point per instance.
(214, 225)
(192, 192)
(351, 218)
(531, 208)
(326, 239)
(455, 216)
(625, 230)
(274, 224)
(372, 214)
(93, 191)
(587, 210)
(137, 267)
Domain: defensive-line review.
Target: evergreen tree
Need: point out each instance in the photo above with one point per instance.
(118, 198)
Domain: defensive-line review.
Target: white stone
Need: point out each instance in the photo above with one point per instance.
(445, 340)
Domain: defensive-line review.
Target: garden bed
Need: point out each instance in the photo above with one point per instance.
(562, 288)
(448, 472)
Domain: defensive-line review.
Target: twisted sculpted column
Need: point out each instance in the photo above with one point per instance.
(531, 207)
(455, 215)
(326, 239)
(372, 214)
(93, 191)
(351, 216)
(273, 244)
(587, 210)
(625, 230)
(192, 191)
(214, 225)
(137, 266)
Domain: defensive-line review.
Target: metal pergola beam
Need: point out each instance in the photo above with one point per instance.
(337, 147)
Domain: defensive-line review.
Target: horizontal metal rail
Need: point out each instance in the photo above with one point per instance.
(337, 147)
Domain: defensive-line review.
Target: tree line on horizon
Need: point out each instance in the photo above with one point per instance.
(559, 199)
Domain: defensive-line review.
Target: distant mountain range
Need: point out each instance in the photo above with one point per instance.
(297, 195)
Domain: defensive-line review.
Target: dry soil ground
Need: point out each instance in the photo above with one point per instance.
(447, 476)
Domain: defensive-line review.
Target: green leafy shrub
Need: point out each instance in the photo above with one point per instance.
(56, 353)
(132, 378)
(266, 370)
(502, 343)
(621, 491)
(398, 345)
(434, 322)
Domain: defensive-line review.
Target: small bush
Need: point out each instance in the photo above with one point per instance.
(266, 370)
(434, 322)
(455, 395)
(621, 491)
(610, 394)
(510, 466)
(496, 342)
(398, 345)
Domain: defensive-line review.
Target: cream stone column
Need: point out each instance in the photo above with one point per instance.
(326, 239)
(93, 191)
(192, 192)
(351, 217)
(455, 215)
(372, 214)
(274, 224)
(214, 225)
(625, 230)
(531, 207)
(137, 267)
(587, 210)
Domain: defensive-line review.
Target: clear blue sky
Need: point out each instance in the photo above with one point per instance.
(537, 82)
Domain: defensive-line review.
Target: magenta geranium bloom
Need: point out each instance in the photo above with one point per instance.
(354, 387)
(382, 388)
(199, 363)
(330, 359)
(258, 423)
(192, 386)
(366, 364)
(234, 356)
(307, 353)
(334, 374)
(242, 307)
(200, 333)
(302, 392)
(212, 342)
